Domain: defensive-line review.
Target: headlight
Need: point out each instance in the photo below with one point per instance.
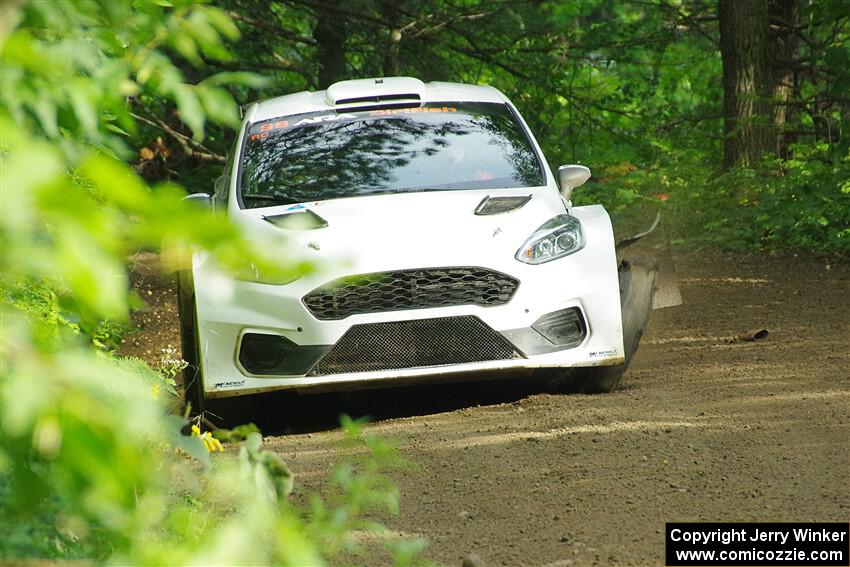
(558, 237)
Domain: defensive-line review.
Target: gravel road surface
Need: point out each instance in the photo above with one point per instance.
(700, 429)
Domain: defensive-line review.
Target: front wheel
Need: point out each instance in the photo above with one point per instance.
(193, 387)
(220, 412)
(637, 283)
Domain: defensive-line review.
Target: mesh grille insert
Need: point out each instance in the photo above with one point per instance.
(410, 289)
(415, 344)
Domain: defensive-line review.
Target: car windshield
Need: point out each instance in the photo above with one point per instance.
(330, 155)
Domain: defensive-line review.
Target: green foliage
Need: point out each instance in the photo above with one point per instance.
(58, 82)
(632, 89)
(276, 478)
(801, 203)
(93, 464)
(48, 532)
(798, 204)
(359, 487)
(238, 433)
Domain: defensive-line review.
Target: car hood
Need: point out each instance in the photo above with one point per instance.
(402, 231)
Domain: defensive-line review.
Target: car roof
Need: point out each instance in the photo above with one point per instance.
(360, 93)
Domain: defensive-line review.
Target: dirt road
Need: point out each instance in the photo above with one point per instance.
(700, 429)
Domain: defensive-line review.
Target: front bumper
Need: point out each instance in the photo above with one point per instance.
(347, 352)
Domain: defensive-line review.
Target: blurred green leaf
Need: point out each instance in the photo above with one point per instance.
(218, 104)
(191, 111)
(96, 466)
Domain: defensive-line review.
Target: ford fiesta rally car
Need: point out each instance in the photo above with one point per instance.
(443, 246)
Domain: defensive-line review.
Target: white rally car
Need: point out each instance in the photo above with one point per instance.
(441, 243)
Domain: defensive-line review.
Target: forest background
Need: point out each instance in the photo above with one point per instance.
(731, 115)
(735, 112)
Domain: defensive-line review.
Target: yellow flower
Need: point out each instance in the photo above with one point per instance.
(155, 388)
(211, 444)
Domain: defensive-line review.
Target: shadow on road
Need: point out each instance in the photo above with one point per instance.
(286, 412)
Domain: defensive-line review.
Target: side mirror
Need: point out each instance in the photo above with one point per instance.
(570, 177)
(202, 199)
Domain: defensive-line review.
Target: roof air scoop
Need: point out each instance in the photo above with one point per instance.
(365, 91)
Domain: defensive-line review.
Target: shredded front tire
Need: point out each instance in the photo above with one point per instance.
(637, 283)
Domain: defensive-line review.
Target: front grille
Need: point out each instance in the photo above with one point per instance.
(410, 289)
(415, 344)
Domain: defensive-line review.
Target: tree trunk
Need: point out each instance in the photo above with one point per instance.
(747, 80)
(330, 33)
(391, 14)
(784, 17)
